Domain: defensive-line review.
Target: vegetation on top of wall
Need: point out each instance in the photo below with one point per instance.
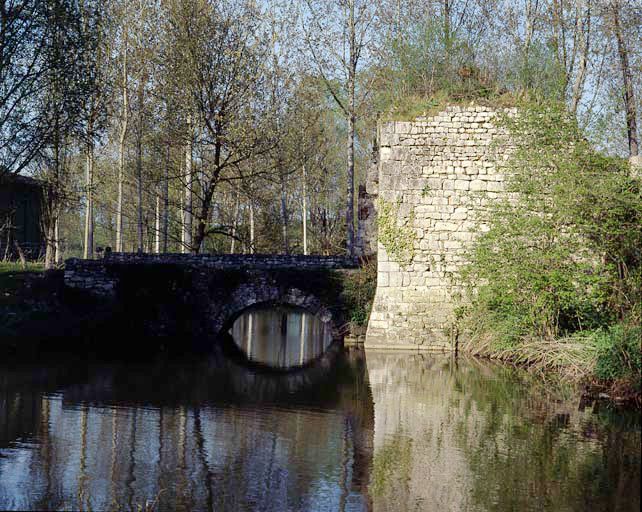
(408, 108)
(560, 270)
(429, 68)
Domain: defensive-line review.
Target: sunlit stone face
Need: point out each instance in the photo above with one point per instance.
(281, 336)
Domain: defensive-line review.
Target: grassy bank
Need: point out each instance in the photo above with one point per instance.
(605, 363)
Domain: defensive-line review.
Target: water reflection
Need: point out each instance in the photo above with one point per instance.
(471, 436)
(409, 432)
(281, 336)
(193, 434)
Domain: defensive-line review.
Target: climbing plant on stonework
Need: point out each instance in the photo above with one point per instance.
(396, 234)
(564, 256)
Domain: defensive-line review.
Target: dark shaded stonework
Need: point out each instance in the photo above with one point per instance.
(202, 295)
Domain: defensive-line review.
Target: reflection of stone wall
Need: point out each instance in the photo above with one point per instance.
(416, 464)
(441, 171)
(467, 435)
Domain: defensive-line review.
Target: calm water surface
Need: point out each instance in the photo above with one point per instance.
(281, 337)
(349, 430)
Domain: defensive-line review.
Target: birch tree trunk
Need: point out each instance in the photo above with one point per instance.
(304, 214)
(284, 213)
(252, 243)
(352, 69)
(583, 32)
(89, 209)
(121, 155)
(139, 165)
(235, 221)
(187, 224)
(57, 248)
(629, 97)
(166, 202)
(157, 231)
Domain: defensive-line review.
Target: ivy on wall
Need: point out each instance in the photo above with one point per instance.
(396, 234)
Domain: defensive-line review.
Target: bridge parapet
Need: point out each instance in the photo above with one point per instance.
(93, 275)
(230, 261)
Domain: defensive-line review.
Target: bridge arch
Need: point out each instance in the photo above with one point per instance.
(265, 289)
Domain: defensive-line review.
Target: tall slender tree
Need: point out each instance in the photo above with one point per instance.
(337, 35)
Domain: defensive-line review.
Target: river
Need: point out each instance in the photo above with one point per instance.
(290, 420)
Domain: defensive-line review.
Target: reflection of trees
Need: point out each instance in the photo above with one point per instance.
(482, 437)
(123, 433)
(282, 337)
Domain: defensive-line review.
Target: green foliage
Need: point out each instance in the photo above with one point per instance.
(425, 70)
(423, 63)
(619, 354)
(396, 235)
(564, 255)
(359, 289)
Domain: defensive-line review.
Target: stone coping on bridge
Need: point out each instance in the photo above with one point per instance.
(405, 347)
(223, 261)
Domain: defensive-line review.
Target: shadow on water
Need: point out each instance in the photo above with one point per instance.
(204, 432)
(219, 431)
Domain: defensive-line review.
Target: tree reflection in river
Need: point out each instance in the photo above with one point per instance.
(281, 336)
(199, 435)
(465, 435)
(409, 432)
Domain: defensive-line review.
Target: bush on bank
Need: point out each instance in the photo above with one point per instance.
(560, 269)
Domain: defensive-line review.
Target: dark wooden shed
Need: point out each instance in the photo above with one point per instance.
(20, 217)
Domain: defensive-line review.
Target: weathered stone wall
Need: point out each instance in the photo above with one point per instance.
(202, 294)
(438, 173)
(95, 276)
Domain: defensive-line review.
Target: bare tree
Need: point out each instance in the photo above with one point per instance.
(222, 49)
(69, 78)
(23, 72)
(627, 76)
(337, 34)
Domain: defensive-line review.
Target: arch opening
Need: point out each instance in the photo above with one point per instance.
(280, 335)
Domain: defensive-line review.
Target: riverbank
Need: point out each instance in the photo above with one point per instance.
(39, 318)
(603, 364)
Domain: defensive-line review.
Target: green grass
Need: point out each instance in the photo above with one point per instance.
(408, 108)
(609, 359)
(12, 267)
(14, 281)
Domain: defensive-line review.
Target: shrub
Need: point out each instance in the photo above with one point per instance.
(619, 355)
(564, 254)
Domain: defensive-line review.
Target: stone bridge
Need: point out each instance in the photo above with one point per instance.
(202, 295)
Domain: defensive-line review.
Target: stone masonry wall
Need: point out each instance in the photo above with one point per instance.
(441, 171)
(96, 277)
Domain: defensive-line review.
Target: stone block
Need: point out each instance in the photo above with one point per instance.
(403, 127)
(461, 185)
(394, 278)
(446, 226)
(478, 185)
